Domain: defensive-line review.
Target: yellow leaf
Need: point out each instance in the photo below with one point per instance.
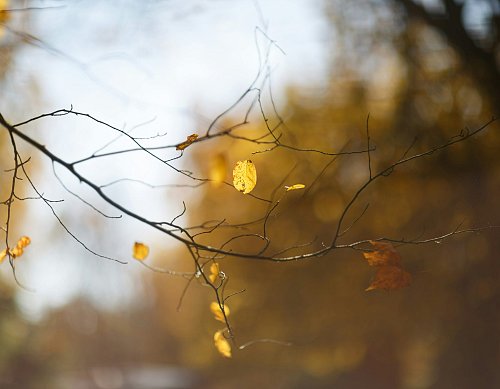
(218, 168)
(222, 344)
(16, 252)
(295, 187)
(140, 251)
(215, 308)
(23, 241)
(3, 254)
(214, 272)
(190, 139)
(244, 176)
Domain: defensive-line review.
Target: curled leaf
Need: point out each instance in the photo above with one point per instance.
(295, 187)
(221, 344)
(244, 176)
(140, 251)
(218, 315)
(16, 252)
(23, 241)
(189, 140)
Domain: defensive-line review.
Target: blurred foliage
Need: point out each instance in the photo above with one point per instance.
(441, 332)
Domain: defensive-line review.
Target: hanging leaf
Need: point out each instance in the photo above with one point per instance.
(390, 273)
(190, 139)
(214, 272)
(295, 187)
(221, 344)
(244, 176)
(23, 241)
(140, 251)
(17, 251)
(384, 254)
(390, 277)
(218, 315)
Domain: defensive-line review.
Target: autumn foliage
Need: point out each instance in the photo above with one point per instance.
(390, 273)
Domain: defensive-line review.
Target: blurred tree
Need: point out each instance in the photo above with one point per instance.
(419, 93)
(442, 331)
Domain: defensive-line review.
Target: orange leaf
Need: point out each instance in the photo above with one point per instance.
(384, 254)
(222, 344)
(23, 241)
(190, 139)
(390, 274)
(140, 251)
(390, 277)
(16, 252)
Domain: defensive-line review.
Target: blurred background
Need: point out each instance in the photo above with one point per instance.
(423, 70)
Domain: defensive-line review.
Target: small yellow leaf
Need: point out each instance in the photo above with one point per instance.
(215, 308)
(140, 251)
(23, 241)
(190, 139)
(244, 176)
(222, 344)
(214, 272)
(295, 187)
(3, 254)
(16, 252)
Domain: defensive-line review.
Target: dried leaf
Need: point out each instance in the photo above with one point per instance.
(390, 277)
(214, 272)
(215, 308)
(218, 169)
(222, 344)
(189, 140)
(295, 187)
(140, 251)
(390, 274)
(244, 176)
(384, 254)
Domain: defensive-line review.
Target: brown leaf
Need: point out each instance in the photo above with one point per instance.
(390, 277)
(190, 139)
(390, 274)
(384, 254)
